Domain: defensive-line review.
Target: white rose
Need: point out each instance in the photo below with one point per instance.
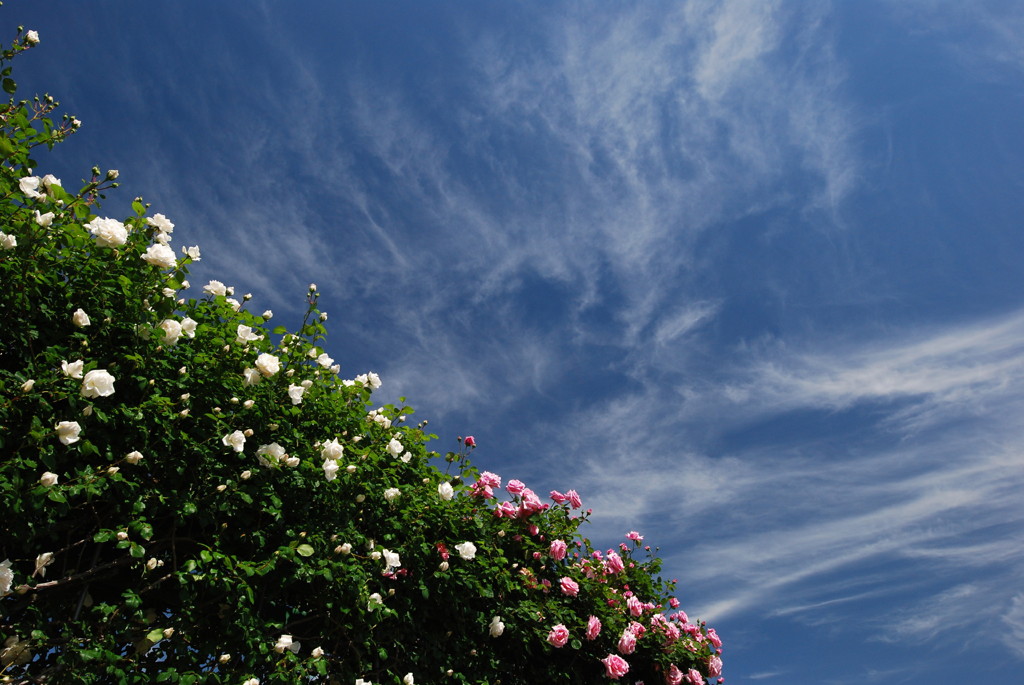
(160, 256)
(48, 479)
(68, 431)
(97, 383)
(497, 627)
(191, 252)
(51, 180)
(7, 241)
(446, 491)
(161, 223)
(44, 220)
(395, 447)
(251, 376)
(215, 288)
(268, 314)
(466, 550)
(6, 577)
(285, 642)
(330, 469)
(188, 327)
(407, 679)
(324, 361)
(375, 601)
(295, 393)
(172, 331)
(72, 370)
(268, 364)
(391, 559)
(133, 457)
(29, 185)
(317, 653)
(244, 334)
(42, 561)
(235, 440)
(274, 451)
(392, 494)
(235, 304)
(374, 380)
(80, 318)
(108, 232)
(32, 38)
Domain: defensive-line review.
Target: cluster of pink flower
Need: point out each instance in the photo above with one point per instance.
(525, 501)
(603, 568)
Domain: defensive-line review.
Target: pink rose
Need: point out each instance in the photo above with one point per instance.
(558, 636)
(615, 666)
(674, 676)
(506, 510)
(713, 637)
(672, 632)
(695, 677)
(558, 497)
(530, 503)
(627, 643)
(515, 487)
(481, 489)
(714, 666)
(593, 627)
(470, 441)
(491, 479)
(576, 502)
(613, 563)
(558, 548)
(635, 606)
(633, 535)
(673, 602)
(569, 586)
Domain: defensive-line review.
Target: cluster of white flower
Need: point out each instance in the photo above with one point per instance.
(378, 417)
(175, 329)
(164, 228)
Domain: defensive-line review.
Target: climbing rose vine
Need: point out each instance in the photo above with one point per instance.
(191, 495)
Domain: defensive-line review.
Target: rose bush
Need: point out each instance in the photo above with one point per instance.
(192, 496)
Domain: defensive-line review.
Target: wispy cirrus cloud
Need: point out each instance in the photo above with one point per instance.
(909, 522)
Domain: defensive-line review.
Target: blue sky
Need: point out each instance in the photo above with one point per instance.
(748, 275)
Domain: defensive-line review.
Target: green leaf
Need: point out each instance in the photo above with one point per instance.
(10, 86)
(155, 635)
(305, 550)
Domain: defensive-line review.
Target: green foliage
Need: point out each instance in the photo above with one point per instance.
(192, 497)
